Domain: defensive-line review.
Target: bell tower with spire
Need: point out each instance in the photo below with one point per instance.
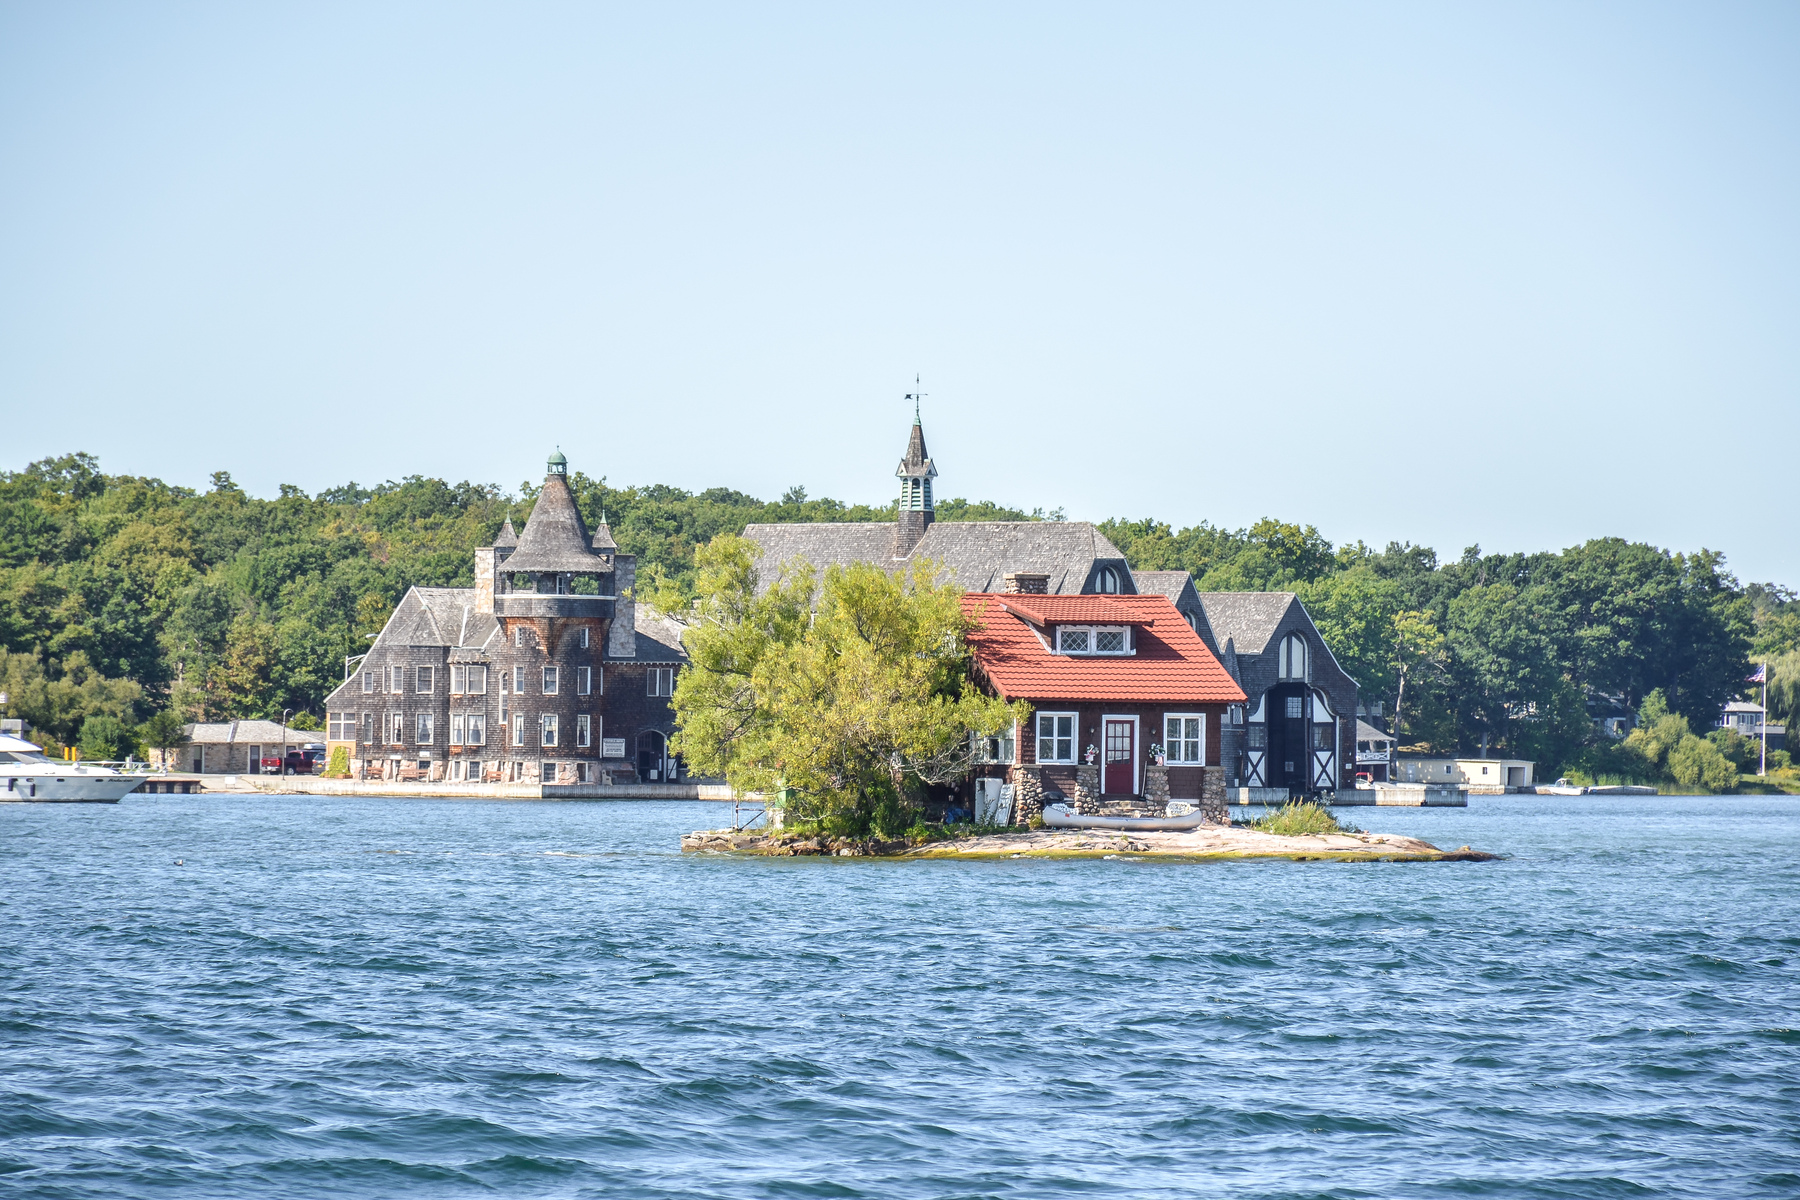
(916, 473)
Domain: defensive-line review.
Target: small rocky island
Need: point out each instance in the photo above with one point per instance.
(1206, 842)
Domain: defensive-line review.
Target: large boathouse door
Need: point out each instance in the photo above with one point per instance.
(1120, 772)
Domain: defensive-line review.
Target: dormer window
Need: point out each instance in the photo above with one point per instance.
(1106, 582)
(1093, 639)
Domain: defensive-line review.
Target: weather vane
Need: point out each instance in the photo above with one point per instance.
(915, 396)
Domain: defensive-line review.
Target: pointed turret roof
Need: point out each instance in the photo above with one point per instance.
(555, 538)
(508, 536)
(916, 462)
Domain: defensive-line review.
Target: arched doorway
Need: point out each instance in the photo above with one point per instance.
(653, 757)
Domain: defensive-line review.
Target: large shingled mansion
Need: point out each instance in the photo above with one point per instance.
(546, 671)
(1292, 729)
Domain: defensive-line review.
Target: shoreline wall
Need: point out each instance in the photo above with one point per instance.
(305, 785)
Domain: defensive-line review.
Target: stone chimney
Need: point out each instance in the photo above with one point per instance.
(621, 639)
(484, 579)
(1027, 583)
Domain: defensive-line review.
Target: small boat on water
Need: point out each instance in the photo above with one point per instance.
(1562, 787)
(27, 774)
(1622, 789)
(1061, 816)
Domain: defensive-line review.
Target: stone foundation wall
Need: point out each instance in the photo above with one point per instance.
(1028, 794)
(1156, 785)
(1087, 789)
(1212, 796)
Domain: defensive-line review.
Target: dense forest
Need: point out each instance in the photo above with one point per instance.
(121, 597)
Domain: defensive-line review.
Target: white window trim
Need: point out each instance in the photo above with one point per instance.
(549, 730)
(429, 722)
(1037, 745)
(1137, 751)
(1093, 632)
(584, 731)
(584, 681)
(552, 679)
(1185, 716)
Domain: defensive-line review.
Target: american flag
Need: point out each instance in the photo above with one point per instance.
(1760, 675)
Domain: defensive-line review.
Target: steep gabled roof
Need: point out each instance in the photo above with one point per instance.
(508, 537)
(658, 637)
(1248, 619)
(1171, 664)
(978, 555)
(555, 538)
(1176, 585)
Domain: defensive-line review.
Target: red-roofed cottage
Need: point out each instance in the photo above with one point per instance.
(1127, 701)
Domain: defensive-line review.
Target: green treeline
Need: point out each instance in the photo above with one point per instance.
(123, 596)
(1515, 649)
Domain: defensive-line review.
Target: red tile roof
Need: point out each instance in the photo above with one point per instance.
(1073, 610)
(1171, 663)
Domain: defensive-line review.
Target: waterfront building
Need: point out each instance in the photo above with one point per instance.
(231, 747)
(1127, 702)
(545, 671)
(1297, 732)
(1491, 775)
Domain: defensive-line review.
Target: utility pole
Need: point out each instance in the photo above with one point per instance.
(1763, 768)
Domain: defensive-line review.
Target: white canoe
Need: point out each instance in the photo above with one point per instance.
(1061, 816)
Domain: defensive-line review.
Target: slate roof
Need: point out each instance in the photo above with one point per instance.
(555, 538)
(977, 554)
(1171, 663)
(916, 462)
(438, 617)
(228, 732)
(508, 538)
(1247, 619)
(1176, 585)
(658, 638)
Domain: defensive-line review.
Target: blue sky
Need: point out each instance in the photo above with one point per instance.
(1512, 274)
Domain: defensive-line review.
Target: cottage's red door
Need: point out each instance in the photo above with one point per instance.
(1121, 757)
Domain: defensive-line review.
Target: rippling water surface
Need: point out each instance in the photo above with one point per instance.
(441, 998)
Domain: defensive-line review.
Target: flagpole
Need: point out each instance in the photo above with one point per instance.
(1763, 769)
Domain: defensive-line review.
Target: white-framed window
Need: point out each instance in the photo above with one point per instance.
(1000, 748)
(584, 637)
(550, 681)
(518, 635)
(396, 732)
(1055, 737)
(1234, 714)
(584, 681)
(1093, 639)
(427, 679)
(368, 681)
(459, 728)
(340, 726)
(1106, 581)
(518, 729)
(424, 730)
(547, 729)
(1291, 663)
(368, 729)
(518, 684)
(1184, 738)
(584, 730)
(659, 681)
(477, 734)
(477, 679)
(1193, 620)
(397, 680)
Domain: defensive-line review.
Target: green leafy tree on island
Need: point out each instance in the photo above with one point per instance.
(849, 692)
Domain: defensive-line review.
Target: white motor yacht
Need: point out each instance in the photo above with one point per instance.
(27, 774)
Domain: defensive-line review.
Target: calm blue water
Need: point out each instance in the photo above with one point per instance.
(440, 998)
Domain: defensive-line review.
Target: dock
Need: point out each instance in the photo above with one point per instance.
(1404, 795)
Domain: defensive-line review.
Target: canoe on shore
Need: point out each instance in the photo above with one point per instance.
(1061, 816)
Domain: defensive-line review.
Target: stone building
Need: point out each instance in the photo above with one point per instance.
(1297, 731)
(544, 671)
(1128, 704)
